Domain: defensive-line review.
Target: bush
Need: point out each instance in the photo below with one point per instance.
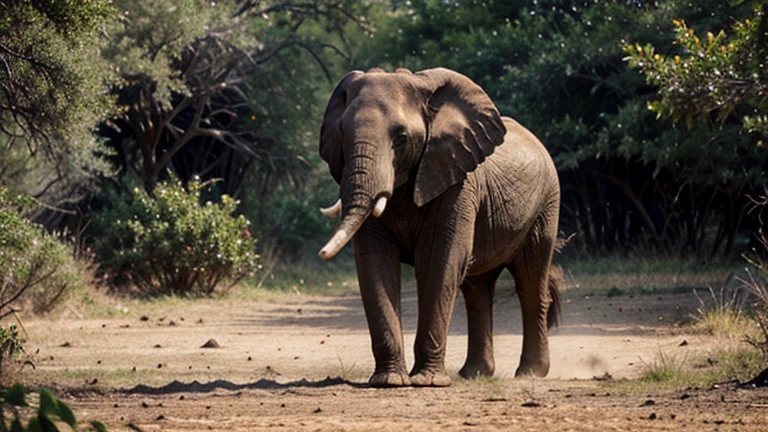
(36, 269)
(173, 244)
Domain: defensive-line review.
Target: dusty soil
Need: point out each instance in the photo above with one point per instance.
(294, 362)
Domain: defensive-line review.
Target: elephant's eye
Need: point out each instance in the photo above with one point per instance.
(400, 140)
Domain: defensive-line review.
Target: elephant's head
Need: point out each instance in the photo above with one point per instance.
(383, 130)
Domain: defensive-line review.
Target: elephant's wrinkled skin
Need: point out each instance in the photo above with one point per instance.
(469, 193)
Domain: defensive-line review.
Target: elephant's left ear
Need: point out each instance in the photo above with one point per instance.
(465, 128)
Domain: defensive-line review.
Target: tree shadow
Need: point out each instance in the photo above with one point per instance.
(262, 384)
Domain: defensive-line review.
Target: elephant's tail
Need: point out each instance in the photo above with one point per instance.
(556, 284)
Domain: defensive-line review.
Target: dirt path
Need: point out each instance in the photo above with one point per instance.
(146, 370)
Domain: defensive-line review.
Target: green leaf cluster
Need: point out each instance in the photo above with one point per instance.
(173, 243)
(50, 414)
(720, 75)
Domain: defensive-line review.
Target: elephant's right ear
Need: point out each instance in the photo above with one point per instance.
(330, 133)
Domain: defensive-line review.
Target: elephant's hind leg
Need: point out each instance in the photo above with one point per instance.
(478, 295)
(531, 272)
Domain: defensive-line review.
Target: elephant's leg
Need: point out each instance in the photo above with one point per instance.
(378, 273)
(531, 272)
(478, 296)
(441, 261)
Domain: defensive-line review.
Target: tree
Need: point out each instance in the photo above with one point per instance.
(195, 73)
(557, 67)
(52, 82)
(723, 75)
(721, 81)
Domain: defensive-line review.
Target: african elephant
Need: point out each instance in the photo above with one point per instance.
(456, 191)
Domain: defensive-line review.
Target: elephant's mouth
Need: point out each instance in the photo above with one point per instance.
(348, 226)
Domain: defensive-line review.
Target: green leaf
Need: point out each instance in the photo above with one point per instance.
(98, 426)
(49, 404)
(34, 425)
(16, 395)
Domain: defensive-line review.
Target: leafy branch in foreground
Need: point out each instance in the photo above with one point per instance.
(50, 413)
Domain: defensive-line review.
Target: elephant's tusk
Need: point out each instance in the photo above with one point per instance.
(381, 204)
(334, 245)
(333, 210)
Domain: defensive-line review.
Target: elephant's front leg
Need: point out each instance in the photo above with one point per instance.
(378, 273)
(441, 263)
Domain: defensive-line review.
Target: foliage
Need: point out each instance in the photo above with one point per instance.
(51, 412)
(209, 76)
(230, 91)
(52, 95)
(52, 80)
(35, 267)
(171, 243)
(721, 74)
(628, 181)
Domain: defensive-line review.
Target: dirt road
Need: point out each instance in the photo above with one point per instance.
(292, 362)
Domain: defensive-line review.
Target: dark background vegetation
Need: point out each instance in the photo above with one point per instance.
(99, 99)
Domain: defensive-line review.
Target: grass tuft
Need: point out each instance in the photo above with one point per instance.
(723, 365)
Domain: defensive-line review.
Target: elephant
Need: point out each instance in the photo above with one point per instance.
(431, 175)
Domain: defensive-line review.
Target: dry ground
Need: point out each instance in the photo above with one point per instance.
(143, 368)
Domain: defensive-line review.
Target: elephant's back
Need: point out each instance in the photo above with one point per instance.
(523, 158)
(516, 185)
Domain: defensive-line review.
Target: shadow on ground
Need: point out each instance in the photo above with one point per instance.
(262, 384)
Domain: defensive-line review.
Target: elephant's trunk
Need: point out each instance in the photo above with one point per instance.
(365, 187)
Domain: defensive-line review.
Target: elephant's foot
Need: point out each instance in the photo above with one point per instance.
(476, 369)
(389, 379)
(429, 378)
(533, 369)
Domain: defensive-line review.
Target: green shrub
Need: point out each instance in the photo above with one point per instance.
(51, 412)
(11, 346)
(173, 244)
(36, 269)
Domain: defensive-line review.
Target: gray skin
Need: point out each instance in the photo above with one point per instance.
(469, 194)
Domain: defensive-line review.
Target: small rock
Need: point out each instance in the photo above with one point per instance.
(211, 344)
(66, 345)
(144, 318)
(649, 402)
(683, 343)
(318, 410)
(531, 404)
